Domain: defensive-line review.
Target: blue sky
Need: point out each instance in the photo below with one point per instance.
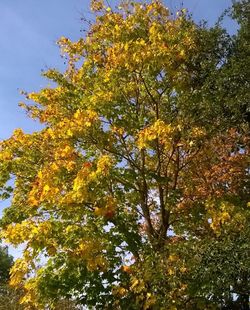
(28, 33)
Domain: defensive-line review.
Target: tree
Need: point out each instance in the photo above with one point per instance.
(136, 190)
(8, 296)
(6, 261)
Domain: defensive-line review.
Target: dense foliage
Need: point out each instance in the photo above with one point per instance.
(134, 195)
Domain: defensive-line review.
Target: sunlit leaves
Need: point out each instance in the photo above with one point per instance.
(159, 130)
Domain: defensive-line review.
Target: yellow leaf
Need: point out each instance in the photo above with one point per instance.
(46, 188)
(134, 283)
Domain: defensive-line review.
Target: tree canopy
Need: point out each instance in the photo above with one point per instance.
(135, 194)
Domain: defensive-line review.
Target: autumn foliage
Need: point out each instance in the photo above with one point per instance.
(136, 188)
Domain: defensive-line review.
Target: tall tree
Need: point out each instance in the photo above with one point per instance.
(135, 192)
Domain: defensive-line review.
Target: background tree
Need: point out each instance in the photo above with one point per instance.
(8, 296)
(6, 261)
(136, 189)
